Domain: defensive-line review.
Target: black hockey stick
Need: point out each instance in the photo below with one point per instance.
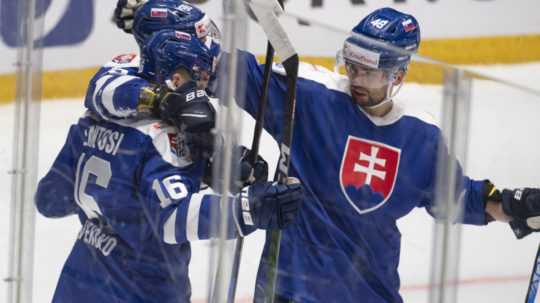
(265, 13)
(291, 68)
(535, 278)
(252, 159)
(290, 65)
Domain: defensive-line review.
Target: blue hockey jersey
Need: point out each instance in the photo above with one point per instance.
(360, 173)
(114, 90)
(134, 190)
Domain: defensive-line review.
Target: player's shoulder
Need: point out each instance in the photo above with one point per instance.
(409, 118)
(313, 75)
(164, 139)
(420, 115)
(129, 60)
(415, 119)
(151, 135)
(119, 66)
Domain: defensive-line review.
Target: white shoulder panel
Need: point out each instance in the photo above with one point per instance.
(164, 138)
(420, 114)
(338, 82)
(319, 74)
(398, 111)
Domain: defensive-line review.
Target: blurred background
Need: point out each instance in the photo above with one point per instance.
(497, 39)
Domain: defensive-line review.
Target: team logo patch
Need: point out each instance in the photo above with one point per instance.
(408, 25)
(361, 55)
(125, 58)
(158, 13)
(368, 173)
(177, 142)
(173, 142)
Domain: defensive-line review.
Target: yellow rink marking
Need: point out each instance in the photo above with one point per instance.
(468, 51)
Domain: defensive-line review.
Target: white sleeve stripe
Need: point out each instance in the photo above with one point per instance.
(192, 220)
(97, 89)
(108, 93)
(169, 229)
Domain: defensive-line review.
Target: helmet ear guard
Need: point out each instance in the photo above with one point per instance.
(168, 50)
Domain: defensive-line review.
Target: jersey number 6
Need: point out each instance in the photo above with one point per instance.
(99, 168)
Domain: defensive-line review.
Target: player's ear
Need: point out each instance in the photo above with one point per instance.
(398, 77)
(180, 76)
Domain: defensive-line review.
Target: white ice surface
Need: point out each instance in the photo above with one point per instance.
(494, 267)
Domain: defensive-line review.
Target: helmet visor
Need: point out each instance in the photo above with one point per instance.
(365, 76)
(363, 67)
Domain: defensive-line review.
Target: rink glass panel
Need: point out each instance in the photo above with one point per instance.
(501, 145)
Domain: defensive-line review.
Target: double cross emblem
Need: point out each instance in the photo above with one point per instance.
(368, 173)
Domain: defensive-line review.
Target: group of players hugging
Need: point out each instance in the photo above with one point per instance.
(133, 166)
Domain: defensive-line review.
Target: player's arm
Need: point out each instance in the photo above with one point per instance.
(472, 194)
(116, 91)
(54, 196)
(249, 89)
(483, 202)
(184, 215)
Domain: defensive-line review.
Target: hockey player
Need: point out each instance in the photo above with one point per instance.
(365, 162)
(119, 89)
(133, 185)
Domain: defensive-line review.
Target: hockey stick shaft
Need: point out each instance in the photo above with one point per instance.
(291, 68)
(265, 11)
(252, 158)
(259, 121)
(535, 279)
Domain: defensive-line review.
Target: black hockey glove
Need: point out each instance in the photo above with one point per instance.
(523, 205)
(188, 108)
(247, 173)
(124, 13)
(270, 205)
(160, 102)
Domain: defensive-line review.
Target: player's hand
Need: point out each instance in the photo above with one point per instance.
(247, 174)
(124, 13)
(149, 99)
(523, 205)
(250, 173)
(271, 205)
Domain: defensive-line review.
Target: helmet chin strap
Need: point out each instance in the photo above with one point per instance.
(390, 94)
